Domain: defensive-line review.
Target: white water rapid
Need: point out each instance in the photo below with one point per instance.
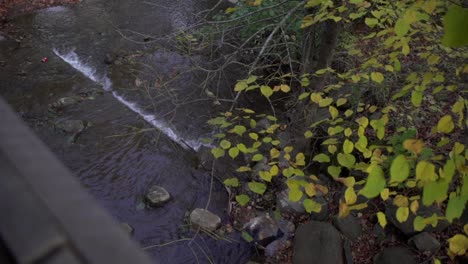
(72, 58)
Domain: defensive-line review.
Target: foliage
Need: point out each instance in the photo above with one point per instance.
(410, 149)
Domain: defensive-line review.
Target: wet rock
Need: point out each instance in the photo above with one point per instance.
(65, 101)
(425, 242)
(395, 255)
(274, 247)
(263, 229)
(71, 126)
(348, 226)
(317, 242)
(323, 214)
(407, 226)
(204, 219)
(379, 232)
(348, 254)
(157, 196)
(7, 43)
(127, 228)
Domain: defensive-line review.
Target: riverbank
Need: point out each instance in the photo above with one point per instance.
(11, 8)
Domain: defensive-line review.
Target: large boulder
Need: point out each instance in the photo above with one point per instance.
(157, 196)
(407, 226)
(317, 242)
(202, 218)
(395, 255)
(263, 229)
(349, 226)
(425, 242)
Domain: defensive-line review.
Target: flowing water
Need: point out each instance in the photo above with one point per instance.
(139, 135)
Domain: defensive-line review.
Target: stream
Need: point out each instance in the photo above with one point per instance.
(139, 132)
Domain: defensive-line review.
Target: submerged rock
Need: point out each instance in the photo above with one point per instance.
(202, 218)
(157, 196)
(127, 228)
(317, 242)
(72, 126)
(263, 229)
(395, 255)
(425, 242)
(64, 102)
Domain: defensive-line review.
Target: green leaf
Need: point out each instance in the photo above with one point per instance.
(242, 199)
(325, 102)
(375, 182)
(435, 192)
(400, 169)
(240, 86)
(251, 79)
(288, 172)
(455, 24)
(348, 146)
(266, 91)
(257, 187)
(247, 237)
(425, 171)
(265, 175)
(445, 124)
(371, 22)
(416, 98)
(350, 196)
(308, 134)
(253, 136)
(419, 223)
(232, 182)
(295, 194)
(312, 206)
(257, 157)
(401, 27)
(233, 152)
(346, 160)
(333, 112)
(382, 219)
(321, 158)
(334, 171)
(455, 206)
(217, 152)
(225, 144)
(377, 77)
(402, 214)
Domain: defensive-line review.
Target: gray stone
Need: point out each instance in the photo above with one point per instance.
(349, 226)
(407, 226)
(395, 255)
(72, 126)
(348, 254)
(65, 101)
(273, 247)
(285, 205)
(202, 218)
(317, 242)
(157, 196)
(127, 228)
(425, 242)
(263, 229)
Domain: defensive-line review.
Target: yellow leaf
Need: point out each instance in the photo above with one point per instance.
(285, 88)
(363, 121)
(315, 97)
(348, 132)
(274, 153)
(458, 244)
(414, 206)
(377, 77)
(310, 189)
(332, 149)
(384, 194)
(350, 196)
(400, 201)
(402, 214)
(445, 124)
(341, 101)
(425, 172)
(325, 102)
(348, 146)
(343, 210)
(413, 145)
(333, 112)
(274, 170)
(382, 219)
